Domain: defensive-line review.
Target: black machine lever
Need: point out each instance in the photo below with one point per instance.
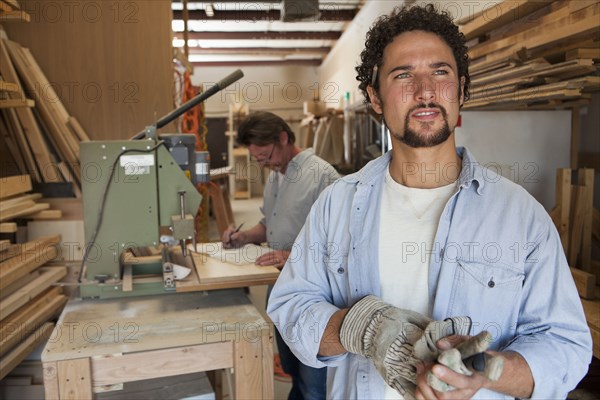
(222, 84)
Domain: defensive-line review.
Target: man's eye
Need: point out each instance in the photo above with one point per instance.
(402, 75)
(441, 72)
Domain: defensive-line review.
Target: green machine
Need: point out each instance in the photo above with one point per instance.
(139, 193)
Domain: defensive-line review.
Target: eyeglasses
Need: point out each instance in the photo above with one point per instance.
(261, 159)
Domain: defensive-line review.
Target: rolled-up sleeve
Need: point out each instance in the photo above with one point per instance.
(301, 304)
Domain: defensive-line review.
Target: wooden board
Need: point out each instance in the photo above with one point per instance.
(19, 266)
(34, 315)
(18, 354)
(46, 277)
(498, 15)
(14, 185)
(585, 283)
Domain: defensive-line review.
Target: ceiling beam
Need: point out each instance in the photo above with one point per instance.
(307, 63)
(260, 50)
(253, 15)
(301, 35)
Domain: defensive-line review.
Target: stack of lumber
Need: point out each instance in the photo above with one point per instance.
(11, 11)
(37, 129)
(532, 54)
(28, 301)
(16, 201)
(578, 224)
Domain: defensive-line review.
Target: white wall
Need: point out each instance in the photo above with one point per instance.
(526, 147)
(279, 89)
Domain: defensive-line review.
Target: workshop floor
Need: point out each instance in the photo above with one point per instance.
(248, 212)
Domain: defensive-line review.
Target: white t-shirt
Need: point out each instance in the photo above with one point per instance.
(408, 222)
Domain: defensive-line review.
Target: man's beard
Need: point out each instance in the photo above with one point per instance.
(413, 139)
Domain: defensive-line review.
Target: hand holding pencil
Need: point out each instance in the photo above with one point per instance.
(232, 237)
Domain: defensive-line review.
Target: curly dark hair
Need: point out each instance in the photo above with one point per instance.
(262, 128)
(411, 18)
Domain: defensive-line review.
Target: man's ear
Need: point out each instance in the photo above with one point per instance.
(283, 138)
(375, 102)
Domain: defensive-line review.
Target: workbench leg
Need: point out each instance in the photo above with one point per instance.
(51, 381)
(247, 369)
(267, 366)
(75, 379)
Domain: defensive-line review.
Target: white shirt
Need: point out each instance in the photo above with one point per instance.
(408, 222)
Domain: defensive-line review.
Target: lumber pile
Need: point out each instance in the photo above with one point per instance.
(16, 201)
(10, 11)
(28, 300)
(36, 128)
(578, 224)
(532, 54)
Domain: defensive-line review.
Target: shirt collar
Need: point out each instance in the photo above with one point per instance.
(470, 171)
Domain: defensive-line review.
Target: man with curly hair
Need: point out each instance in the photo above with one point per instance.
(407, 271)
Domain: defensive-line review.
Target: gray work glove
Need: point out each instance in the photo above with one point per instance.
(396, 339)
(466, 358)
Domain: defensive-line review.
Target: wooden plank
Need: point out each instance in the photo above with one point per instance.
(511, 73)
(17, 319)
(18, 354)
(18, 284)
(15, 16)
(16, 330)
(166, 362)
(19, 199)
(8, 227)
(14, 4)
(571, 27)
(16, 103)
(46, 214)
(47, 276)
(28, 127)
(575, 136)
(8, 140)
(19, 136)
(596, 224)
(16, 267)
(8, 86)
(267, 365)
(75, 379)
(25, 212)
(14, 185)
(563, 199)
(51, 381)
(499, 14)
(586, 178)
(248, 375)
(33, 245)
(6, 211)
(585, 283)
(57, 129)
(578, 214)
(573, 54)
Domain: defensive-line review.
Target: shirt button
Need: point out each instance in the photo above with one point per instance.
(274, 214)
(491, 283)
(340, 270)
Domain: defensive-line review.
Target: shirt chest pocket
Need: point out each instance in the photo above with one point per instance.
(489, 293)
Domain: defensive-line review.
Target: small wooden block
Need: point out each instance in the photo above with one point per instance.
(585, 283)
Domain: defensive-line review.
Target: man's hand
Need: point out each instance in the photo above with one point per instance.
(465, 386)
(233, 238)
(276, 258)
(515, 380)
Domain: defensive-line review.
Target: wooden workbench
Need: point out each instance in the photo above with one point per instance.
(98, 345)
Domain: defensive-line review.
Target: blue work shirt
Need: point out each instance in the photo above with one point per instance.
(497, 258)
